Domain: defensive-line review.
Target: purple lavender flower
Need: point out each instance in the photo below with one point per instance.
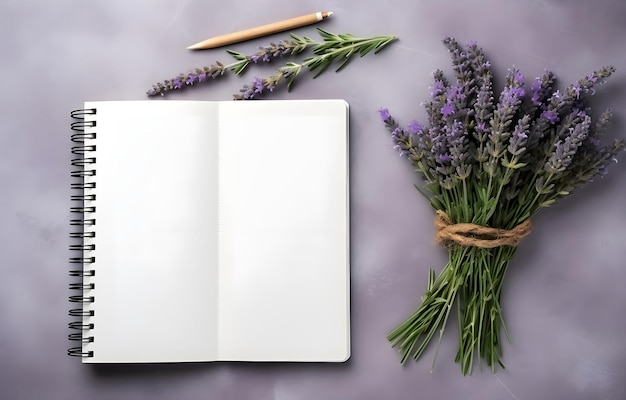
(443, 159)
(258, 86)
(454, 93)
(510, 102)
(565, 149)
(510, 98)
(397, 137)
(405, 141)
(550, 116)
(414, 127)
(439, 85)
(462, 64)
(185, 80)
(535, 90)
(602, 124)
(438, 143)
(519, 137)
(483, 111)
(592, 77)
(591, 161)
(513, 91)
(251, 91)
(437, 89)
(433, 107)
(541, 90)
(384, 114)
(447, 109)
(458, 144)
(266, 54)
(562, 103)
(437, 154)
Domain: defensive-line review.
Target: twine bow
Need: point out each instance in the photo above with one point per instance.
(467, 234)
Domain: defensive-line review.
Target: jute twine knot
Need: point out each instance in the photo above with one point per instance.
(467, 234)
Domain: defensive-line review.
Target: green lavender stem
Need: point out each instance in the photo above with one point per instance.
(433, 313)
(472, 278)
(480, 313)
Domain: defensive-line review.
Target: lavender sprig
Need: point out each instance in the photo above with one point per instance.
(265, 54)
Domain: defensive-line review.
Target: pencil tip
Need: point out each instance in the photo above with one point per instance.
(329, 13)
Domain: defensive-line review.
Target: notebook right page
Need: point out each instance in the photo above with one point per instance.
(284, 231)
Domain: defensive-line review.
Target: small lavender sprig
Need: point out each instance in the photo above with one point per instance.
(266, 54)
(334, 47)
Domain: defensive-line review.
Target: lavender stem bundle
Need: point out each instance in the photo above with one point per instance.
(333, 47)
(489, 163)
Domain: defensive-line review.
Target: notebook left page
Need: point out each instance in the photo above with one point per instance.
(156, 238)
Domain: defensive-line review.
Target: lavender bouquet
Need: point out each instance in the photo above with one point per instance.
(489, 164)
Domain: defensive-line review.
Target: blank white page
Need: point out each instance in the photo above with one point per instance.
(284, 256)
(156, 232)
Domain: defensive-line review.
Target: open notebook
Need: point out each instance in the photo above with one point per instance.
(211, 231)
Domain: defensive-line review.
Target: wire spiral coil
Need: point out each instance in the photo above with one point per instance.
(82, 247)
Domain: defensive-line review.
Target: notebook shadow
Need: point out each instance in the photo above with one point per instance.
(114, 371)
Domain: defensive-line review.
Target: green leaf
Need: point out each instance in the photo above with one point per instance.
(343, 63)
(367, 49)
(321, 67)
(524, 217)
(436, 203)
(325, 35)
(237, 55)
(238, 68)
(383, 44)
(347, 37)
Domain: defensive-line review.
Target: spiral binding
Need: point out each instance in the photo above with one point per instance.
(84, 172)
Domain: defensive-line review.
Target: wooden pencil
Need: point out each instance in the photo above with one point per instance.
(263, 30)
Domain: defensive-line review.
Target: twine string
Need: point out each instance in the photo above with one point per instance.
(467, 234)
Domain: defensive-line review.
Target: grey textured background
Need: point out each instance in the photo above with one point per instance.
(564, 298)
